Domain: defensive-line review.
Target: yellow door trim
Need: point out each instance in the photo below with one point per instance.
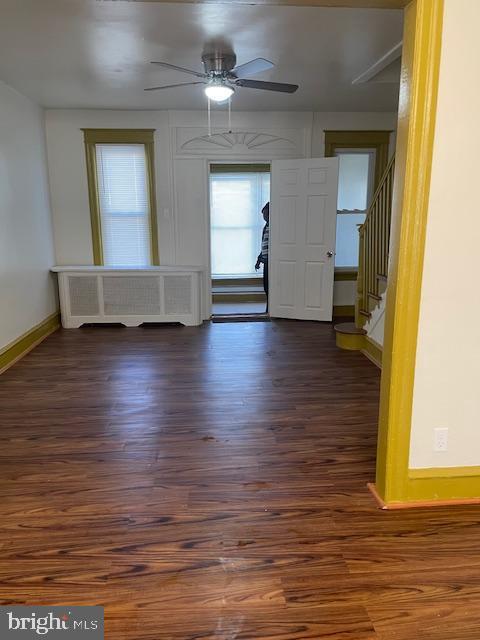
(416, 126)
(248, 167)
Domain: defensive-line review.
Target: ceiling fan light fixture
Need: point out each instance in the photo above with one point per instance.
(218, 91)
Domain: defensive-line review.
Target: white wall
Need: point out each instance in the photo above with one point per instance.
(68, 179)
(447, 377)
(181, 169)
(27, 290)
(344, 292)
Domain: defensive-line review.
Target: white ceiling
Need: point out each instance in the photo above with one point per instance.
(96, 53)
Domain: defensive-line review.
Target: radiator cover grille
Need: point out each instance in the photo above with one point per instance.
(131, 295)
(177, 292)
(83, 295)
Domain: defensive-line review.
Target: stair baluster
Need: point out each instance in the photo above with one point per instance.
(374, 240)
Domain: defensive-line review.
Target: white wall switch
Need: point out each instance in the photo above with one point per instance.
(440, 442)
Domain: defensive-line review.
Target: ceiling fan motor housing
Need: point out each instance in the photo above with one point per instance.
(218, 64)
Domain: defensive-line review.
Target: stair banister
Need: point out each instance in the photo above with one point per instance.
(374, 240)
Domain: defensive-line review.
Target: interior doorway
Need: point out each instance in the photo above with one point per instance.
(288, 256)
(238, 193)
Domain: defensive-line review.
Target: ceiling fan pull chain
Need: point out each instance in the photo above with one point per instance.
(230, 114)
(209, 118)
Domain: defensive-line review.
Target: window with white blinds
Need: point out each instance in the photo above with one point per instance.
(123, 200)
(236, 201)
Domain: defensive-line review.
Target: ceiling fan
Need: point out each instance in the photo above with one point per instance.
(221, 76)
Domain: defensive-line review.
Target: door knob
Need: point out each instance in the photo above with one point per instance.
(329, 254)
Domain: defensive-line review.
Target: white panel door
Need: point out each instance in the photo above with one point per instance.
(303, 213)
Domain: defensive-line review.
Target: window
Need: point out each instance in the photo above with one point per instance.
(237, 196)
(354, 180)
(122, 198)
(355, 185)
(363, 158)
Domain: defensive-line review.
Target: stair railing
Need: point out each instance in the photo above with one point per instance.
(374, 240)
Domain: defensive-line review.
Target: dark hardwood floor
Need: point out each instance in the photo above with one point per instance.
(210, 483)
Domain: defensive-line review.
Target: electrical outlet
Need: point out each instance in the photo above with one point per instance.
(440, 442)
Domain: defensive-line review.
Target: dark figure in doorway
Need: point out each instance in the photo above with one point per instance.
(263, 255)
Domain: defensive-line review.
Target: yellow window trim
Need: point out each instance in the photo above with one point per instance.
(119, 136)
(93, 137)
(376, 139)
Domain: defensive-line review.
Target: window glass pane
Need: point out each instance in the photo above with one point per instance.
(234, 250)
(353, 179)
(236, 201)
(124, 204)
(347, 239)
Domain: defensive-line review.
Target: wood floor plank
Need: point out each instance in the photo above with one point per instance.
(210, 483)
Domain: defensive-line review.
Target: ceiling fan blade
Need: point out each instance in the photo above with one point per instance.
(254, 66)
(282, 87)
(167, 65)
(170, 86)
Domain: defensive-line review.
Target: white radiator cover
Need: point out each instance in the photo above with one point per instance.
(129, 296)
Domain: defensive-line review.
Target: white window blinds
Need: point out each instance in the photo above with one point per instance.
(124, 204)
(236, 201)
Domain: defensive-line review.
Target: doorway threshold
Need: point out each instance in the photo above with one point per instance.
(238, 308)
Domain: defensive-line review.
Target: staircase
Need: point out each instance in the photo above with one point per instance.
(373, 248)
(238, 299)
(366, 334)
(375, 325)
(234, 290)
